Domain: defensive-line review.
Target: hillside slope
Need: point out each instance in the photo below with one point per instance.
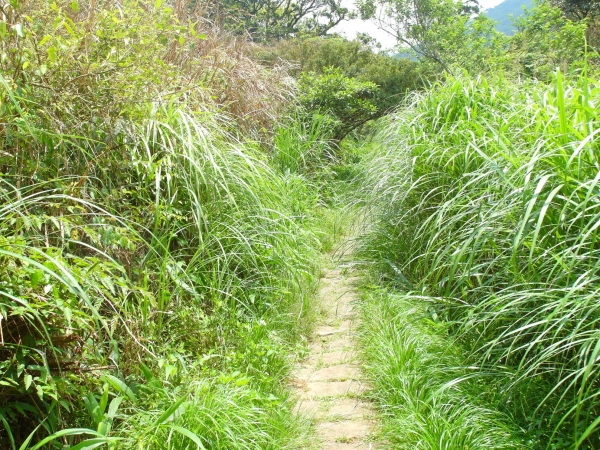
(505, 11)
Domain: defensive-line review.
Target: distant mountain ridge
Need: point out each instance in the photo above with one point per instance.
(502, 14)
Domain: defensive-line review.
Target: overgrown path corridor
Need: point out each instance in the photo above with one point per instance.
(329, 381)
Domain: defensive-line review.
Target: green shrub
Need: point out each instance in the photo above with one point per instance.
(345, 103)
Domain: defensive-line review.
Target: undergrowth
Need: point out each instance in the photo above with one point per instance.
(483, 195)
(158, 265)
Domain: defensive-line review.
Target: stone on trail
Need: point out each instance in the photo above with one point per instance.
(329, 382)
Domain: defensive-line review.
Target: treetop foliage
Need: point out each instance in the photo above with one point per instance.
(335, 76)
(546, 39)
(442, 31)
(266, 20)
(578, 9)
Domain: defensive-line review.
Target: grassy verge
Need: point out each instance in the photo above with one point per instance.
(158, 265)
(163, 313)
(413, 366)
(483, 195)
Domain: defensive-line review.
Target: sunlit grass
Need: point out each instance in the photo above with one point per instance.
(199, 268)
(485, 197)
(412, 364)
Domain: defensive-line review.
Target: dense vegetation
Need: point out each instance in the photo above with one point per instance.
(485, 197)
(154, 264)
(170, 174)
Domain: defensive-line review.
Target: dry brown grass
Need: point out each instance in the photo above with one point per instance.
(103, 58)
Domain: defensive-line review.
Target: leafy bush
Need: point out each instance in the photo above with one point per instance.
(394, 77)
(345, 103)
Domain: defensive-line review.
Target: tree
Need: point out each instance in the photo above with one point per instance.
(578, 9)
(545, 40)
(442, 31)
(345, 102)
(355, 59)
(332, 62)
(585, 11)
(267, 20)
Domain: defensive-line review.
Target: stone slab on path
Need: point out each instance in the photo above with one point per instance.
(329, 381)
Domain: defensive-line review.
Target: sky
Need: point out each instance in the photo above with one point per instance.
(349, 28)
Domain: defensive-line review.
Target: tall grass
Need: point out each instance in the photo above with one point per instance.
(202, 246)
(156, 269)
(411, 364)
(484, 197)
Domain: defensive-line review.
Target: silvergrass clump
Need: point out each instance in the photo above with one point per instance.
(484, 196)
(146, 249)
(412, 365)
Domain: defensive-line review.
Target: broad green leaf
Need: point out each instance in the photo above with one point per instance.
(67, 432)
(27, 380)
(120, 386)
(114, 407)
(178, 407)
(44, 40)
(187, 433)
(52, 54)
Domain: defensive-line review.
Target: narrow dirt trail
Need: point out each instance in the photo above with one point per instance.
(329, 380)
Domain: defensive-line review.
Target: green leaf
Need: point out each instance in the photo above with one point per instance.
(52, 54)
(149, 376)
(89, 444)
(27, 380)
(9, 432)
(69, 29)
(40, 392)
(104, 428)
(120, 386)
(67, 432)
(187, 433)
(75, 6)
(103, 402)
(93, 409)
(36, 277)
(174, 408)
(113, 407)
